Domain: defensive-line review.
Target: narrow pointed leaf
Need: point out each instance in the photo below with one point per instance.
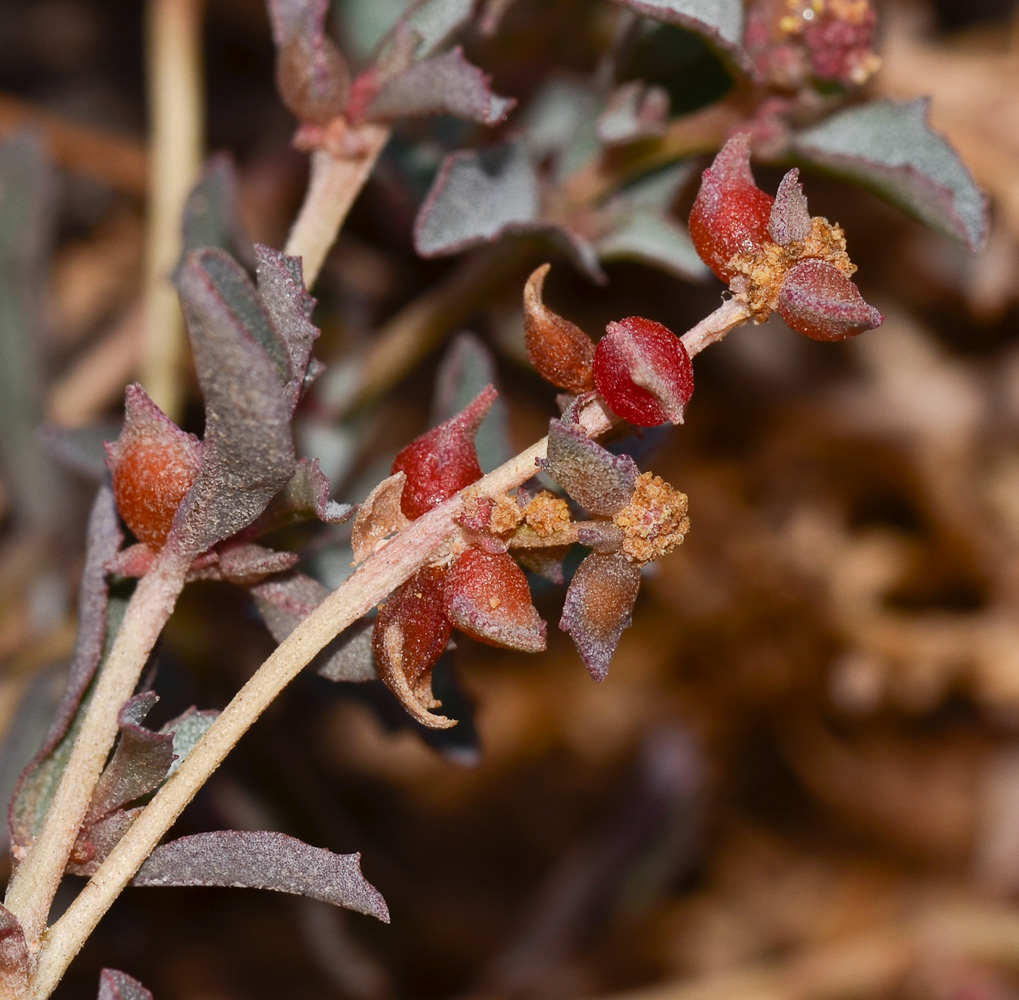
(488, 598)
(117, 985)
(790, 217)
(598, 607)
(890, 147)
(447, 84)
(248, 450)
(477, 197)
(599, 481)
(264, 860)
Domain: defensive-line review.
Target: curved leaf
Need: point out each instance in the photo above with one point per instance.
(890, 147)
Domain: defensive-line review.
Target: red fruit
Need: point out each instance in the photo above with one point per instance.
(819, 301)
(730, 214)
(443, 461)
(643, 372)
(559, 350)
(488, 598)
(154, 465)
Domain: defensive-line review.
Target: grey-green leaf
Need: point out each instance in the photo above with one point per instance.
(476, 197)
(890, 147)
(721, 22)
(654, 239)
(264, 860)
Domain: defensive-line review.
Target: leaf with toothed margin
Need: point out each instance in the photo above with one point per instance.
(264, 860)
(117, 985)
(248, 448)
(289, 306)
(210, 217)
(598, 607)
(466, 368)
(599, 481)
(890, 148)
(14, 958)
(487, 597)
(443, 85)
(285, 601)
(720, 22)
(478, 196)
(311, 75)
(98, 621)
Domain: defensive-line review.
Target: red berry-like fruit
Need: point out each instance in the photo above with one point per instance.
(444, 460)
(643, 372)
(819, 301)
(730, 213)
(154, 464)
(488, 598)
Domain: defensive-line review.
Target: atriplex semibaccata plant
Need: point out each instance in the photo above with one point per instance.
(438, 542)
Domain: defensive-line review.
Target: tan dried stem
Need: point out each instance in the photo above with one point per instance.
(177, 114)
(337, 175)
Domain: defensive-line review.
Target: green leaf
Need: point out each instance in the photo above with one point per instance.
(890, 148)
(654, 239)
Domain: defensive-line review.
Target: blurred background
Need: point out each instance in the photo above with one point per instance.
(801, 777)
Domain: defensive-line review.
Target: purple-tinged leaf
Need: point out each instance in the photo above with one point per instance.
(818, 300)
(104, 539)
(379, 516)
(117, 985)
(139, 763)
(38, 784)
(82, 450)
(890, 147)
(283, 602)
(95, 842)
(478, 196)
(598, 607)
(720, 22)
(443, 85)
(305, 496)
(264, 860)
(248, 449)
(210, 216)
(467, 367)
(599, 481)
(602, 536)
(243, 563)
(14, 958)
(289, 305)
(790, 217)
(186, 730)
(487, 597)
(311, 75)
(635, 110)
